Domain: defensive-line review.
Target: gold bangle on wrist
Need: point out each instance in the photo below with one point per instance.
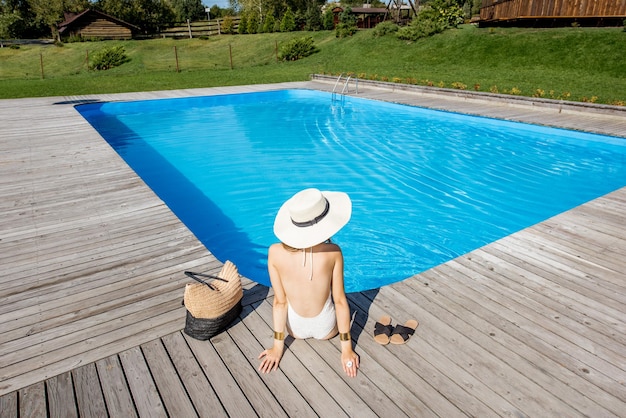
(279, 336)
(344, 336)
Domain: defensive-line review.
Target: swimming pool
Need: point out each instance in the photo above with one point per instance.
(427, 186)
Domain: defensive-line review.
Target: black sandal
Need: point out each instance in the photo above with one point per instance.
(402, 333)
(383, 330)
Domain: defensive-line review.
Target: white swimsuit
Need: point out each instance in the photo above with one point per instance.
(317, 327)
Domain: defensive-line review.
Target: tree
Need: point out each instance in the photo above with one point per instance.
(11, 25)
(288, 22)
(313, 17)
(243, 25)
(347, 23)
(188, 9)
(253, 23)
(328, 22)
(268, 25)
(49, 13)
(149, 15)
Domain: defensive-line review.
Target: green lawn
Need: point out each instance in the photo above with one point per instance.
(581, 64)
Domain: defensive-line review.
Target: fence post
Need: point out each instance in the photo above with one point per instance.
(176, 55)
(189, 28)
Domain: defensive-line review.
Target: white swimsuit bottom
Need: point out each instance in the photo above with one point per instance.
(317, 327)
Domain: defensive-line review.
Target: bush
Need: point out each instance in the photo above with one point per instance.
(288, 23)
(347, 24)
(268, 24)
(109, 57)
(427, 23)
(343, 30)
(385, 28)
(228, 25)
(297, 48)
(328, 20)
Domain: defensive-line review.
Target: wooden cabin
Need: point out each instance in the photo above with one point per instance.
(92, 24)
(545, 13)
(366, 17)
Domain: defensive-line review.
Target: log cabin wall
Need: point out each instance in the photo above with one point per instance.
(103, 29)
(503, 10)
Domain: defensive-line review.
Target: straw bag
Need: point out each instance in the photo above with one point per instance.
(212, 306)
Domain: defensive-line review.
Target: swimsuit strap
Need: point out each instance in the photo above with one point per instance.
(304, 261)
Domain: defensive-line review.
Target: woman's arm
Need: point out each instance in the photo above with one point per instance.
(271, 357)
(349, 359)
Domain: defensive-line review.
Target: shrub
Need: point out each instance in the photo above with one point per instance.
(435, 18)
(243, 25)
(253, 24)
(228, 25)
(328, 20)
(347, 24)
(297, 48)
(425, 24)
(269, 23)
(109, 57)
(288, 23)
(458, 85)
(385, 28)
(343, 30)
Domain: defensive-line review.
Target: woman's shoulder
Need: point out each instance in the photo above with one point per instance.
(328, 247)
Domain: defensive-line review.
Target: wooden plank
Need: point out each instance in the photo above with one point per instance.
(171, 389)
(336, 386)
(286, 392)
(141, 384)
(89, 397)
(445, 298)
(61, 400)
(33, 401)
(198, 387)
(119, 402)
(291, 371)
(460, 348)
(440, 387)
(535, 334)
(8, 405)
(258, 394)
(230, 394)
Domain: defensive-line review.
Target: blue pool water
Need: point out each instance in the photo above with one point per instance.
(426, 186)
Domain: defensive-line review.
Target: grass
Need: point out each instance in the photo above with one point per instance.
(582, 64)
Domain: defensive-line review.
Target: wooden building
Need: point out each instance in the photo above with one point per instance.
(552, 12)
(92, 24)
(366, 17)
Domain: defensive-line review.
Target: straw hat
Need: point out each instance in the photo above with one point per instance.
(311, 217)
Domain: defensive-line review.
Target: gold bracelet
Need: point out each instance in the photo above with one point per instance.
(344, 336)
(279, 336)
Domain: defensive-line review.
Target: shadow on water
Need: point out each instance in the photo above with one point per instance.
(78, 102)
(201, 216)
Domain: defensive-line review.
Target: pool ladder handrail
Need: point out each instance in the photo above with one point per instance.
(346, 87)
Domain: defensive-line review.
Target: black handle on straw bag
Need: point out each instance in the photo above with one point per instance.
(193, 276)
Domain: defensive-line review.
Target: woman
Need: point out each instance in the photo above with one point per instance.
(306, 273)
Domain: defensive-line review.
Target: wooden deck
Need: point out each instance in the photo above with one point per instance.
(91, 285)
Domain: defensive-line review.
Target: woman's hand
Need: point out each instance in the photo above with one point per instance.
(349, 361)
(271, 358)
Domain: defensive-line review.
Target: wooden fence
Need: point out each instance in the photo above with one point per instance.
(590, 11)
(200, 28)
